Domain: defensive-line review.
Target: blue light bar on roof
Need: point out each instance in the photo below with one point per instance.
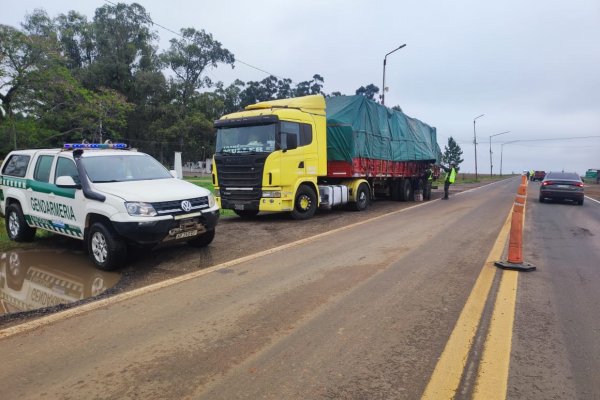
(73, 146)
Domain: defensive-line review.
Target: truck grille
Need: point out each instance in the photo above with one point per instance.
(240, 177)
(175, 207)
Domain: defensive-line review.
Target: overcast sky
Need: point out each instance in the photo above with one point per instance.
(532, 67)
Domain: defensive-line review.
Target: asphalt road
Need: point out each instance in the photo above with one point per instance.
(363, 312)
(556, 348)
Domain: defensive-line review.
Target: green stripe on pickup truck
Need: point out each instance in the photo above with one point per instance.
(44, 187)
(48, 225)
(41, 187)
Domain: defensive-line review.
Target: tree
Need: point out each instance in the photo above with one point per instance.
(190, 56)
(124, 45)
(369, 91)
(452, 153)
(314, 86)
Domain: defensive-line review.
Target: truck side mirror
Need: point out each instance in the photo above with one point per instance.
(291, 142)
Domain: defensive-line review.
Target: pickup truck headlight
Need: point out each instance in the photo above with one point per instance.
(211, 201)
(139, 209)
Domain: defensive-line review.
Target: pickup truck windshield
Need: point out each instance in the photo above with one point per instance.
(247, 139)
(121, 168)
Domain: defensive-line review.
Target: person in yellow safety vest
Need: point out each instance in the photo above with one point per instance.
(449, 179)
(427, 181)
(531, 172)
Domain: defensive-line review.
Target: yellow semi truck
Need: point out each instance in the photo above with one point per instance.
(296, 155)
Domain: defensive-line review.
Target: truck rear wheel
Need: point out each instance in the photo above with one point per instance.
(16, 226)
(362, 197)
(395, 190)
(305, 203)
(405, 190)
(106, 251)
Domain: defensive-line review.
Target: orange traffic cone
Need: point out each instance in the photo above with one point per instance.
(515, 241)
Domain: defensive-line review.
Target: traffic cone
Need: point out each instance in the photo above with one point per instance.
(515, 241)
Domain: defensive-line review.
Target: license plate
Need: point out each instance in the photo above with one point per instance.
(239, 207)
(186, 234)
(563, 186)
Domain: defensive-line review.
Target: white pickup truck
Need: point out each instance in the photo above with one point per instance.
(105, 195)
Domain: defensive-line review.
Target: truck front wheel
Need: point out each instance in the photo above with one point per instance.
(106, 251)
(305, 203)
(16, 227)
(362, 197)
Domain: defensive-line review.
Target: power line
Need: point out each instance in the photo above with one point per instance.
(183, 37)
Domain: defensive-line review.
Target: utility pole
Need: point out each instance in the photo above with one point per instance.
(491, 136)
(475, 143)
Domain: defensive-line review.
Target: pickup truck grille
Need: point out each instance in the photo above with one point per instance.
(240, 176)
(175, 208)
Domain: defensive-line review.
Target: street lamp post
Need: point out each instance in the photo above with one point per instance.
(384, 63)
(501, 150)
(491, 136)
(475, 143)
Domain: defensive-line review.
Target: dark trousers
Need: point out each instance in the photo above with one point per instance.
(446, 188)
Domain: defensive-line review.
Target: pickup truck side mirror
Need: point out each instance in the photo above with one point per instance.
(67, 182)
(289, 142)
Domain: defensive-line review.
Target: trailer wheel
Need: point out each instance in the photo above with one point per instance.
(405, 190)
(305, 203)
(395, 190)
(362, 197)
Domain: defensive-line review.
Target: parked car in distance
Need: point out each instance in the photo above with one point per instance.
(562, 186)
(538, 175)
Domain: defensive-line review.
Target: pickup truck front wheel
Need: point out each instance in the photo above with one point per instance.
(16, 227)
(106, 251)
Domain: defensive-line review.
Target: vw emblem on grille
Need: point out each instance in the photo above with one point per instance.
(186, 205)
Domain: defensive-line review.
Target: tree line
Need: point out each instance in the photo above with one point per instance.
(70, 79)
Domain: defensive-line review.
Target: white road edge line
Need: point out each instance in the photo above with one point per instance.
(594, 200)
(78, 310)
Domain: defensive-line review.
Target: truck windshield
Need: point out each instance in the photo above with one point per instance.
(120, 168)
(247, 139)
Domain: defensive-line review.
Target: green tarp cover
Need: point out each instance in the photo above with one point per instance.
(358, 127)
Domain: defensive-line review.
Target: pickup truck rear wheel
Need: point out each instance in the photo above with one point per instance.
(106, 251)
(16, 226)
(305, 203)
(203, 240)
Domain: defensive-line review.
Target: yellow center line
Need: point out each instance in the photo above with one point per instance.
(492, 377)
(447, 374)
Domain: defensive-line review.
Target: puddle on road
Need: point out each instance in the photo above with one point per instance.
(31, 280)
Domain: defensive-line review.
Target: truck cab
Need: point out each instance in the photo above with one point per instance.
(269, 157)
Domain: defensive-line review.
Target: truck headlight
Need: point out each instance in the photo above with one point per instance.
(271, 193)
(211, 201)
(139, 209)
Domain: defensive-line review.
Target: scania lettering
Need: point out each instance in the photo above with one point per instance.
(295, 155)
